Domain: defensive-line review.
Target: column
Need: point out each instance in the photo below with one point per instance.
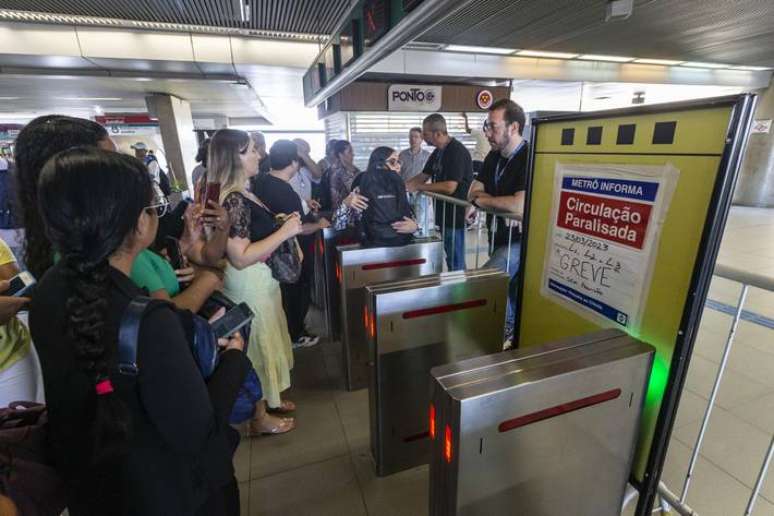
(177, 134)
(756, 178)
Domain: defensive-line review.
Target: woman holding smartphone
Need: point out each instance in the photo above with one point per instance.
(253, 237)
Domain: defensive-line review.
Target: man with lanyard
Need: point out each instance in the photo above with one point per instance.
(451, 170)
(500, 186)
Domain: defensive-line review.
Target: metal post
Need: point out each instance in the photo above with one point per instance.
(670, 498)
(443, 225)
(478, 235)
(424, 199)
(492, 234)
(715, 388)
(761, 478)
(454, 237)
(510, 239)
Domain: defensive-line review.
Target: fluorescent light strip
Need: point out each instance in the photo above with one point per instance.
(550, 55)
(89, 98)
(664, 62)
(751, 68)
(692, 64)
(611, 59)
(480, 50)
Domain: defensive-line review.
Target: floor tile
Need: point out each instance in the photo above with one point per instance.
(400, 494)
(242, 460)
(318, 436)
(691, 408)
(244, 498)
(355, 418)
(733, 446)
(758, 412)
(735, 388)
(713, 492)
(327, 488)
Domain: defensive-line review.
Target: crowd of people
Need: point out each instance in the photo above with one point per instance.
(157, 436)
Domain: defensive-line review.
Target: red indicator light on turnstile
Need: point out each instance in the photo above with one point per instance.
(320, 246)
(390, 265)
(447, 444)
(558, 410)
(424, 312)
(338, 272)
(432, 421)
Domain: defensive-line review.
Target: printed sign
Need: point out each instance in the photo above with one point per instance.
(414, 97)
(606, 222)
(761, 127)
(484, 99)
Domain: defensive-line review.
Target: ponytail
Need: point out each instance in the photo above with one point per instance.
(87, 313)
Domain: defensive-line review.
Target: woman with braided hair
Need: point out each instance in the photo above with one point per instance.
(152, 444)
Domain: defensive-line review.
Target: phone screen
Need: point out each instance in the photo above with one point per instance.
(172, 245)
(232, 321)
(19, 284)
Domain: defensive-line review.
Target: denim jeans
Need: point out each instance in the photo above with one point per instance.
(455, 258)
(499, 260)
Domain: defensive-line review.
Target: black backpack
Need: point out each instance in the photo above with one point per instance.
(387, 203)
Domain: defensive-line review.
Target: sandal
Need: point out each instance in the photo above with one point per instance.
(285, 407)
(284, 425)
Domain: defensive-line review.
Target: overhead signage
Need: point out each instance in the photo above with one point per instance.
(606, 224)
(414, 97)
(376, 20)
(122, 119)
(484, 99)
(761, 127)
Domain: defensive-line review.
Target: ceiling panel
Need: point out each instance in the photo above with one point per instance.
(736, 32)
(296, 16)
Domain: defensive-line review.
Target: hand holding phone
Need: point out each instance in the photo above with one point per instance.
(212, 193)
(233, 321)
(175, 255)
(19, 284)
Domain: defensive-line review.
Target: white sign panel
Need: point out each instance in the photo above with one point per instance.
(761, 127)
(414, 97)
(603, 237)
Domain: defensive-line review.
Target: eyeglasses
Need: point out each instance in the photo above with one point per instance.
(490, 127)
(161, 208)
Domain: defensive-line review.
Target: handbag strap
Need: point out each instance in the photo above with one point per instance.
(129, 332)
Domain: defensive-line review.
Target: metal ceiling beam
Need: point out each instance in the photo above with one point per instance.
(428, 14)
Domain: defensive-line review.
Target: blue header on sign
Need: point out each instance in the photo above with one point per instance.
(640, 190)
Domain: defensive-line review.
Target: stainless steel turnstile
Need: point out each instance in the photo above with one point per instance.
(548, 430)
(359, 267)
(414, 325)
(326, 287)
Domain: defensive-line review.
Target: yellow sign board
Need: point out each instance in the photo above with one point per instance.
(559, 297)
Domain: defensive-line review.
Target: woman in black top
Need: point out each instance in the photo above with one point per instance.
(154, 444)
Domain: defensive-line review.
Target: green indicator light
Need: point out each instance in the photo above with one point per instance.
(658, 380)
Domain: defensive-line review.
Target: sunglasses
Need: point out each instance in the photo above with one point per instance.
(161, 208)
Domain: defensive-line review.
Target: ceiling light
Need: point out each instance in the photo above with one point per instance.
(612, 59)
(665, 62)
(88, 98)
(10, 98)
(479, 50)
(751, 68)
(99, 111)
(691, 64)
(540, 53)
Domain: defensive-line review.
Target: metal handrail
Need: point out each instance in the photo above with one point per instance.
(466, 204)
(752, 279)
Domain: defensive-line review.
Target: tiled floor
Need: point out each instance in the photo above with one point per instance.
(324, 467)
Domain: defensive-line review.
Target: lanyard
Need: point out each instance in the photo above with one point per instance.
(499, 173)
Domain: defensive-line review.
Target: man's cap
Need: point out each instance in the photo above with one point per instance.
(140, 146)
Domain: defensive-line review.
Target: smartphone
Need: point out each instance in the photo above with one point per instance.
(212, 193)
(172, 245)
(232, 321)
(19, 284)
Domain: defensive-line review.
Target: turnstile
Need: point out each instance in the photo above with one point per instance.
(326, 288)
(414, 325)
(359, 267)
(547, 431)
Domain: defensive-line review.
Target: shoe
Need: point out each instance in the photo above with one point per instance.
(508, 344)
(283, 425)
(306, 341)
(285, 407)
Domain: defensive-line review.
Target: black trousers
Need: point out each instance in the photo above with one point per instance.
(296, 297)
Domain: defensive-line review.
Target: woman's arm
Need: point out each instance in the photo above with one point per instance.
(242, 253)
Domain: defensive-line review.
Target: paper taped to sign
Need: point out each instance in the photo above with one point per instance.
(605, 225)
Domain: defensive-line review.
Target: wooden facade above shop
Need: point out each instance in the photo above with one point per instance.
(384, 96)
